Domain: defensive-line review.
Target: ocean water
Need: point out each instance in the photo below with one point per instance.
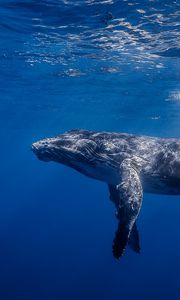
(99, 65)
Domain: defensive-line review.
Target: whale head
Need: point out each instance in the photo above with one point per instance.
(72, 148)
(84, 151)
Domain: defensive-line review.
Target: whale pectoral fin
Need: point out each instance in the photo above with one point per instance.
(114, 194)
(134, 242)
(120, 241)
(128, 199)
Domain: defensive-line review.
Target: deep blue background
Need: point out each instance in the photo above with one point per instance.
(101, 65)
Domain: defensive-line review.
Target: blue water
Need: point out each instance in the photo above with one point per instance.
(99, 65)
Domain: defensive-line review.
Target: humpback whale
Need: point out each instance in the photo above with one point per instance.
(129, 164)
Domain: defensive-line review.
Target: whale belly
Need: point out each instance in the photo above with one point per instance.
(158, 185)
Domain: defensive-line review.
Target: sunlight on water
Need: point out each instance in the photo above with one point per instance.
(137, 43)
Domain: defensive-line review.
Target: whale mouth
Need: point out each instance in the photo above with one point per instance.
(35, 148)
(40, 152)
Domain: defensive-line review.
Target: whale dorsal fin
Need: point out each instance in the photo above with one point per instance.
(127, 196)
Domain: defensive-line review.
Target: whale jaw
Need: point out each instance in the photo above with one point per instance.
(40, 150)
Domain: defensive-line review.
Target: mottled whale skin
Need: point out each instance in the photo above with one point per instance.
(129, 164)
